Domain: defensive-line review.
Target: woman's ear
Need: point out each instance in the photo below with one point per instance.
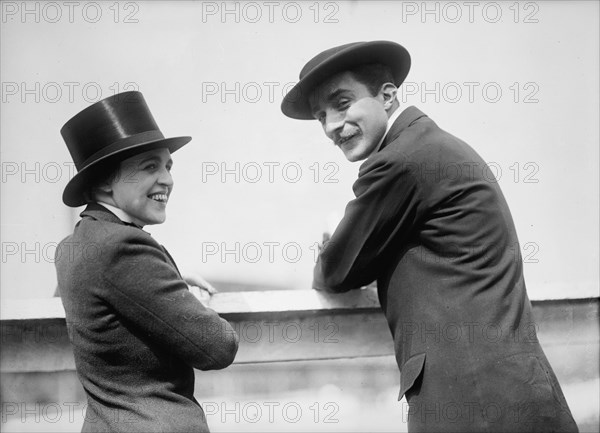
(105, 188)
(102, 191)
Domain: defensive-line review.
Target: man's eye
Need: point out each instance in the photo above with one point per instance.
(150, 167)
(343, 104)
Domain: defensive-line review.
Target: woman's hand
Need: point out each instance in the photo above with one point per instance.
(199, 287)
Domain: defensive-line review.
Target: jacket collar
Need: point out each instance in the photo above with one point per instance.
(100, 213)
(406, 119)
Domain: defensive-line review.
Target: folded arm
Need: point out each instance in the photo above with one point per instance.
(386, 208)
(151, 295)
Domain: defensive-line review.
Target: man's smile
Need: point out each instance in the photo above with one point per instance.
(341, 139)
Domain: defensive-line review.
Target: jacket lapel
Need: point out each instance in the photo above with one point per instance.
(409, 116)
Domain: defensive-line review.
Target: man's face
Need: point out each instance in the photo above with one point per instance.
(143, 186)
(350, 115)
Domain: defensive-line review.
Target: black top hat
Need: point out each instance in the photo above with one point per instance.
(108, 132)
(338, 59)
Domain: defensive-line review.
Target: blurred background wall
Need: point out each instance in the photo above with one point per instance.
(254, 189)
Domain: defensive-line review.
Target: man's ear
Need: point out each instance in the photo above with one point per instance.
(388, 92)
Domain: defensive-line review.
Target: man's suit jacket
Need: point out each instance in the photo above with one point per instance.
(430, 224)
(136, 330)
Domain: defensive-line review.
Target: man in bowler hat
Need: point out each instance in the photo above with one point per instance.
(136, 330)
(436, 234)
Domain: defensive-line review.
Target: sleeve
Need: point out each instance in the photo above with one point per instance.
(387, 206)
(150, 294)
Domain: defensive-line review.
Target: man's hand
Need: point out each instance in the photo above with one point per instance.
(326, 237)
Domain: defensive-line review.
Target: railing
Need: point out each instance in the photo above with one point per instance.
(314, 333)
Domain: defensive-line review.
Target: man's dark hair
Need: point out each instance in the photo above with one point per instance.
(373, 75)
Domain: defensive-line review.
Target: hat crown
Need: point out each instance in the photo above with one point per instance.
(321, 57)
(115, 119)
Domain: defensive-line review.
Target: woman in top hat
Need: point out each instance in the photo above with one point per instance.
(136, 330)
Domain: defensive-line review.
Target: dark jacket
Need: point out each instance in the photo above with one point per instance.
(136, 330)
(430, 224)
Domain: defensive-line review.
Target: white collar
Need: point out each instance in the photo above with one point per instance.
(390, 122)
(121, 214)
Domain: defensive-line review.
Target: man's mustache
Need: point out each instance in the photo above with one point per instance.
(346, 135)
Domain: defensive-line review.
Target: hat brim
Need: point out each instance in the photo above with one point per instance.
(295, 103)
(73, 193)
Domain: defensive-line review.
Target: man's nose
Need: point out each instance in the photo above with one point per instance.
(333, 123)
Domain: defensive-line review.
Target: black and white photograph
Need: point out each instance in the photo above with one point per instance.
(300, 216)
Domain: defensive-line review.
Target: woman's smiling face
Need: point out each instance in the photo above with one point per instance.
(143, 186)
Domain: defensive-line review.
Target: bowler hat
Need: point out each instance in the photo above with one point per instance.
(106, 133)
(338, 59)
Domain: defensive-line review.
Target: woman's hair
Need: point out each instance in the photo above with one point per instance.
(105, 173)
